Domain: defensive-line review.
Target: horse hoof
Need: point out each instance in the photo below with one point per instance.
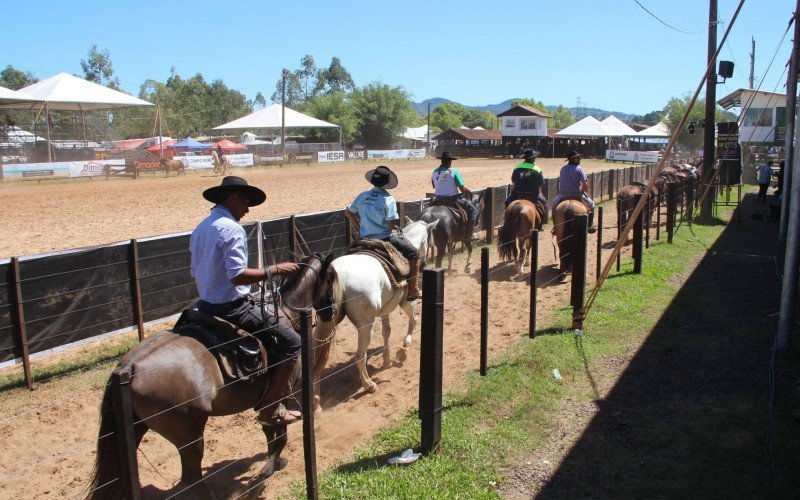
(372, 388)
(401, 355)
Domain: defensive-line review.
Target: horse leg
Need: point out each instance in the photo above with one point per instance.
(468, 244)
(321, 344)
(451, 249)
(364, 338)
(276, 441)
(188, 439)
(386, 330)
(518, 263)
(440, 250)
(408, 308)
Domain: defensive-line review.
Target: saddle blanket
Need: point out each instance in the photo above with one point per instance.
(393, 262)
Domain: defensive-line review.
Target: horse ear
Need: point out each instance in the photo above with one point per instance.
(408, 220)
(329, 258)
(432, 225)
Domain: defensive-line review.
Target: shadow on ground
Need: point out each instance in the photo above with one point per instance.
(689, 416)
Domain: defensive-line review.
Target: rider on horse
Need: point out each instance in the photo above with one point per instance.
(528, 182)
(449, 187)
(573, 183)
(219, 265)
(374, 214)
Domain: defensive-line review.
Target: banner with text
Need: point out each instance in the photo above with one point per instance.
(91, 168)
(330, 156)
(396, 154)
(634, 156)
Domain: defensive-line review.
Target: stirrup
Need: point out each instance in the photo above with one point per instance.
(281, 416)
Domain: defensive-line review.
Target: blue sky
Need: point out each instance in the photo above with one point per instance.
(611, 54)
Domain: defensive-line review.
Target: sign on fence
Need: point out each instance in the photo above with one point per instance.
(396, 154)
(357, 155)
(241, 160)
(637, 156)
(90, 168)
(330, 156)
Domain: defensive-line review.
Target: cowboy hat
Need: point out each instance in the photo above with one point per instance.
(529, 153)
(573, 154)
(447, 155)
(231, 183)
(381, 176)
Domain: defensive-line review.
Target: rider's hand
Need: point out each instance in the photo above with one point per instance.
(284, 269)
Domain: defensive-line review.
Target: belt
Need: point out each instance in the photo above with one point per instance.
(225, 305)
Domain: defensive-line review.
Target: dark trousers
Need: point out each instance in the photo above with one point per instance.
(762, 193)
(472, 210)
(401, 243)
(246, 313)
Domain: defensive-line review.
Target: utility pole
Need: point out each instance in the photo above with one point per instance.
(429, 128)
(711, 98)
(283, 114)
(791, 110)
(752, 64)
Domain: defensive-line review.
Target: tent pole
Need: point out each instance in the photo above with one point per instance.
(83, 119)
(283, 114)
(160, 134)
(340, 138)
(47, 124)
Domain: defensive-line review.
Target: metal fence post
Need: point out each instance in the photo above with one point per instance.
(619, 234)
(484, 307)
(136, 286)
(637, 237)
(430, 361)
(646, 213)
(307, 381)
(123, 411)
(578, 285)
(534, 268)
(658, 217)
(599, 265)
(671, 194)
(22, 333)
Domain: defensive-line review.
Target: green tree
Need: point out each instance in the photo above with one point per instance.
(334, 108)
(382, 112)
(335, 78)
(448, 115)
(259, 101)
(530, 102)
(97, 68)
(674, 112)
(301, 84)
(562, 118)
(14, 79)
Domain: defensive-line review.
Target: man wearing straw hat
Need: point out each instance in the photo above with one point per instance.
(573, 183)
(449, 187)
(219, 266)
(374, 214)
(528, 182)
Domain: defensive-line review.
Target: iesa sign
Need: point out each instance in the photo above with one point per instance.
(329, 156)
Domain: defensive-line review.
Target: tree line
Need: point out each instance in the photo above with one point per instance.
(373, 114)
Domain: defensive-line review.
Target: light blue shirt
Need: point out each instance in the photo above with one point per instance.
(765, 174)
(219, 253)
(375, 208)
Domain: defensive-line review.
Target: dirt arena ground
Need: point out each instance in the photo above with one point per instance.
(48, 435)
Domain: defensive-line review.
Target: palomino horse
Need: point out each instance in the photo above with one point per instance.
(176, 384)
(356, 286)
(173, 166)
(563, 215)
(221, 164)
(450, 231)
(516, 235)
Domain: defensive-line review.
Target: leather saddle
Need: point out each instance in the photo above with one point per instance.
(459, 213)
(240, 354)
(393, 262)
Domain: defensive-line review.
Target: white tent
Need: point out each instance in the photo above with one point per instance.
(250, 139)
(270, 117)
(657, 130)
(617, 126)
(416, 133)
(587, 127)
(12, 98)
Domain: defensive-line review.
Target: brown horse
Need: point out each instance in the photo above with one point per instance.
(626, 199)
(563, 215)
(516, 235)
(176, 384)
(173, 166)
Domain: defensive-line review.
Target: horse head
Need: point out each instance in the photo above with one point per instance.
(301, 289)
(479, 200)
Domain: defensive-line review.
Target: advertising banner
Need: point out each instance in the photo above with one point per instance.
(91, 168)
(194, 162)
(330, 156)
(357, 155)
(241, 160)
(396, 154)
(634, 156)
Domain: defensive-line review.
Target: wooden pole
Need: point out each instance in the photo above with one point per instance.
(484, 308)
(671, 194)
(293, 237)
(309, 438)
(599, 265)
(136, 287)
(534, 269)
(578, 285)
(489, 217)
(637, 238)
(22, 334)
(123, 411)
(430, 362)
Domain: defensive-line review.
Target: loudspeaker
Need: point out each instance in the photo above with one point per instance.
(727, 128)
(725, 69)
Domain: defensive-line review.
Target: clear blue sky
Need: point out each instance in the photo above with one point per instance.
(612, 55)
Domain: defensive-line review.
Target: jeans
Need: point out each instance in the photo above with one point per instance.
(401, 243)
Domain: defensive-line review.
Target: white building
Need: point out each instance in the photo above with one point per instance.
(763, 117)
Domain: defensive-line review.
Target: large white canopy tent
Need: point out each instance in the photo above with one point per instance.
(617, 126)
(658, 133)
(12, 98)
(276, 116)
(65, 92)
(586, 127)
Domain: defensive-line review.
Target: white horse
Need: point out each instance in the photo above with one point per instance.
(221, 164)
(356, 286)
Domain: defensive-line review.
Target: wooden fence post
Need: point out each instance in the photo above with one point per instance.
(484, 307)
(489, 216)
(307, 381)
(599, 265)
(430, 361)
(578, 285)
(22, 333)
(671, 201)
(136, 286)
(292, 237)
(637, 237)
(690, 199)
(123, 411)
(534, 269)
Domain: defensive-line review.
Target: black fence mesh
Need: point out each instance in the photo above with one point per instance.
(276, 243)
(8, 334)
(324, 232)
(166, 280)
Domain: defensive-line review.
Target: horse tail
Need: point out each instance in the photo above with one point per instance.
(508, 233)
(105, 483)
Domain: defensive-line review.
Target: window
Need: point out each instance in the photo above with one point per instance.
(527, 124)
(510, 122)
(757, 117)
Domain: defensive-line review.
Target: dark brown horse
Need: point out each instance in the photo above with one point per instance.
(176, 384)
(626, 199)
(173, 166)
(516, 235)
(563, 215)
(450, 231)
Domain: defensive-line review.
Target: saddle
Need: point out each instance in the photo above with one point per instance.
(459, 213)
(393, 262)
(640, 185)
(580, 199)
(240, 355)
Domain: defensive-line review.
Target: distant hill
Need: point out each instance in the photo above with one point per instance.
(422, 108)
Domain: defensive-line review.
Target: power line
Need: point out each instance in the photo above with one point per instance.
(664, 23)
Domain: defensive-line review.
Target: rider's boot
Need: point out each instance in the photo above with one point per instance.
(413, 278)
(273, 411)
(592, 228)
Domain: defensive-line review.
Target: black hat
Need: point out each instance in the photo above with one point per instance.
(573, 154)
(529, 154)
(231, 183)
(447, 155)
(381, 176)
